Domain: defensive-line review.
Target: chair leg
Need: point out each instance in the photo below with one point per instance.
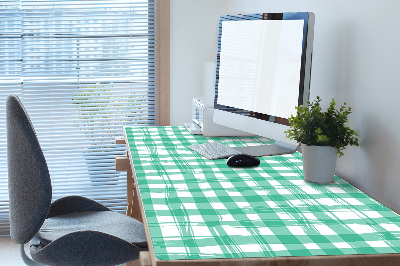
(26, 259)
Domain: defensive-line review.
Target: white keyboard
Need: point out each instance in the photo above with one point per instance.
(214, 150)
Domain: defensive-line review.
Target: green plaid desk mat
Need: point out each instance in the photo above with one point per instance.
(200, 209)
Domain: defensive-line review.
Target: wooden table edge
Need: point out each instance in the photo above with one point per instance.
(137, 190)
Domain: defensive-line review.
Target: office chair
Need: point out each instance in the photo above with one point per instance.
(70, 231)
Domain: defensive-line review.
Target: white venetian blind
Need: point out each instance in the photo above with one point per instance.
(83, 69)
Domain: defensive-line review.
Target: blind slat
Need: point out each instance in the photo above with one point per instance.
(83, 70)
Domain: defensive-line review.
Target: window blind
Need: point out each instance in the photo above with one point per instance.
(83, 69)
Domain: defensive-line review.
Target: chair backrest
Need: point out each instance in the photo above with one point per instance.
(29, 183)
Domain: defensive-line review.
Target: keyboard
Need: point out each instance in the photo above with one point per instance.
(214, 150)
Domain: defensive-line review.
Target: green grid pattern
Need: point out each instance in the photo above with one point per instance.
(200, 209)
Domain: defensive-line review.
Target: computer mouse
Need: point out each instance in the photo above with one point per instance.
(242, 160)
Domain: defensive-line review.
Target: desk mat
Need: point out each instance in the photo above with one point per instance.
(202, 209)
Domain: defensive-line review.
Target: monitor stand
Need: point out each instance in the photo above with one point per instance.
(276, 148)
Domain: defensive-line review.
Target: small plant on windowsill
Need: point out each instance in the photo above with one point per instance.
(100, 110)
(323, 136)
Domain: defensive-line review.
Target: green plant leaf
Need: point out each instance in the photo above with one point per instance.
(312, 126)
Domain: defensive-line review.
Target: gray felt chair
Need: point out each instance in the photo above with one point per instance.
(70, 231)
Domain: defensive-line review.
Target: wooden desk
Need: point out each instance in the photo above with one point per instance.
(272, 215)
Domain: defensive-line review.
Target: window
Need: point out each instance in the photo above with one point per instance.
(83, 69)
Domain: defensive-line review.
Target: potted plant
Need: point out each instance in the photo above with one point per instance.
(323, 135)
(100, 110)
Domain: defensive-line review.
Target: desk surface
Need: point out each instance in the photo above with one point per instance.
(200, 209)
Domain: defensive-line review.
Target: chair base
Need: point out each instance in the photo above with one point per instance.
(26, 259)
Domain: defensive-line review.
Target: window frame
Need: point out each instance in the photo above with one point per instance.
(163, 88)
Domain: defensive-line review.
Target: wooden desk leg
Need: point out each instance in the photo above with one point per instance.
(133, 263)
(132, 197)
(129, 193)
(144, 260)
(122, 163)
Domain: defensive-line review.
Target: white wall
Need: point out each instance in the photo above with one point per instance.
(194, 41)
(356, 59)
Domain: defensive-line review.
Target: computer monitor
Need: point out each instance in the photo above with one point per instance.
(263, 73)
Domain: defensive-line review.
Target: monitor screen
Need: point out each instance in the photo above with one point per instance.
(263, 71)
(260, 63)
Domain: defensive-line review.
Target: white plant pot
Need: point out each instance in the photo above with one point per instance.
(319, 163)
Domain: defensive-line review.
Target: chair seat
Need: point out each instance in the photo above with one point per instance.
(107, 222)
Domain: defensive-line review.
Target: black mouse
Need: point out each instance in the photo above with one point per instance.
(242, 160)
